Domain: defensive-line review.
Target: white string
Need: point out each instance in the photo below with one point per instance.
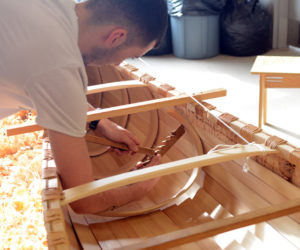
(219, 119)
(206, 109)
(221, 146)
(246, 165)
(144, 62)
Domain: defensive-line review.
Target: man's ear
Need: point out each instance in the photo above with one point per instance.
(116, 37)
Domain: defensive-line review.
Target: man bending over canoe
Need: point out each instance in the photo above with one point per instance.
(44, 47)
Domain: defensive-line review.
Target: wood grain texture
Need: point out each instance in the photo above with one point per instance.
(220, 226)
(130, 109)
(276, 65)
(152, 104)
(114, 86)
(105, 184)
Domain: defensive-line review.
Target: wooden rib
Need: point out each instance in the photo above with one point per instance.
(220, 226)
(105, 184)
(129, 109)
(152, 104)
(99, 88)
(106, 142)
(187, 186)
(83, 231)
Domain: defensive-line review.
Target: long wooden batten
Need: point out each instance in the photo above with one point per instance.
(153, 104)
(130, 109)
(82, 191)
(99, 88)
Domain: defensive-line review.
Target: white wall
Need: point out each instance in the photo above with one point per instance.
(294, 23)
(279, 11)
(294, 10)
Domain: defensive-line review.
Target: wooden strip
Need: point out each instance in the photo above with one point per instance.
(252, 199)
(154, 225)
(83, 231)
(282, 80)
(223, 196)
(104, 141)
(105, 184)
(99, 88)
(129, 109)
(152, 104)
(236, 206)
(21, 129)
(279, 85)
(258, 183)
(220, 226)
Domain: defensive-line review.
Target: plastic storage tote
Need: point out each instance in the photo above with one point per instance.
(195, 37)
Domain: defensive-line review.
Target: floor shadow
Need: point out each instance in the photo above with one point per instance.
(291, 133)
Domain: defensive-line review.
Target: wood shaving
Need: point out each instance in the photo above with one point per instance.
(21, 212)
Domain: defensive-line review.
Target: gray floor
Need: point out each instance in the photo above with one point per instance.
(232, 73)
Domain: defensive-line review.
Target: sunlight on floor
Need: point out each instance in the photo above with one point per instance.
(232, 73)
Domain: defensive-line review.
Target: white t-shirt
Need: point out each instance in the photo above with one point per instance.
(41, 67)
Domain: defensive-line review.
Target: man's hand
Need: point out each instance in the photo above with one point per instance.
(114, 132)
(75, 168)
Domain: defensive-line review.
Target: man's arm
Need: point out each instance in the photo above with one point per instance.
(74, 167)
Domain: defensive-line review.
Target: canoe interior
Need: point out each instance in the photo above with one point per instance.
(186, 199)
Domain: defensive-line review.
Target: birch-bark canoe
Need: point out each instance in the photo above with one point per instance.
(204, 200)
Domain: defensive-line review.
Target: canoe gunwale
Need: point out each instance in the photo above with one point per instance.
(56, 221)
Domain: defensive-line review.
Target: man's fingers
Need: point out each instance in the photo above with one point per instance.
(131, 141)
(135, 139)
(119, 152)
(154, 161)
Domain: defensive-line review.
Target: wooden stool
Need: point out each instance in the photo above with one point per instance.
(275, 72)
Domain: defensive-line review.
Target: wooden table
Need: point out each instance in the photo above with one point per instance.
(275, 72)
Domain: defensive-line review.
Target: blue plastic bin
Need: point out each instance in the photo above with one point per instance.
(195, 37)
